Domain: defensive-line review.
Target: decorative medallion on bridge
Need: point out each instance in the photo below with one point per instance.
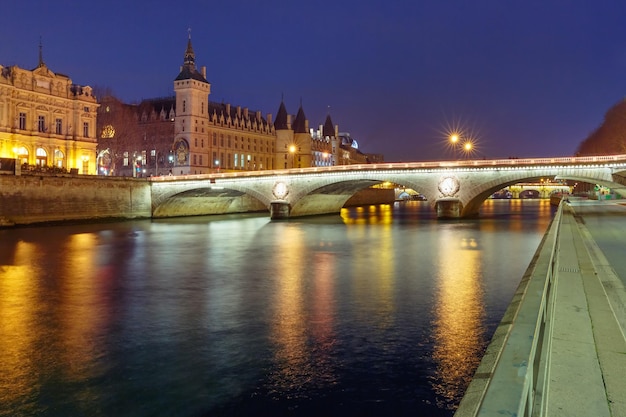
(449, 186)
(280, 190)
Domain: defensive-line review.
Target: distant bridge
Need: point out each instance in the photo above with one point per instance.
(453, 188)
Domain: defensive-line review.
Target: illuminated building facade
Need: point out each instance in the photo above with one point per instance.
(46, 121)
(189, 134)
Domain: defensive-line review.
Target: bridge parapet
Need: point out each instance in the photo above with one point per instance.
(452, 188)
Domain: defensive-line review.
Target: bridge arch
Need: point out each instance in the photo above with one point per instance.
(321, 190)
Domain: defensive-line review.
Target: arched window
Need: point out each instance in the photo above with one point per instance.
(42, 157)
(59, 158)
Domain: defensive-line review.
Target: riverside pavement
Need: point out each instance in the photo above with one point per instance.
(586, 352)
(587, 373)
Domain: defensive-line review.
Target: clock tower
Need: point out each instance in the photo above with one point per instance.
(192, 117)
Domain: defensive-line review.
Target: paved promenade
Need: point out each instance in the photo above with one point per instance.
(587, 373)
(580, 368)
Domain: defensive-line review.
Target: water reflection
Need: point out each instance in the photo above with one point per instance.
(459, 332)
(288, 326)
(227, 316)
(18, 326)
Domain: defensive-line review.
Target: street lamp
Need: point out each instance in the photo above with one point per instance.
(454, 140)
(466, 145)
(292, 151)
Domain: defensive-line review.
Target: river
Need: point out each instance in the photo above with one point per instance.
(380, 311)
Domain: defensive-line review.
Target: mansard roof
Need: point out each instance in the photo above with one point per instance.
(235, 113)
(281, 118)
(189, 74)
(299, 124)
(158, 104)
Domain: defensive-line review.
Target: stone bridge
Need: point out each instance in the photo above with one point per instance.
(453, 188)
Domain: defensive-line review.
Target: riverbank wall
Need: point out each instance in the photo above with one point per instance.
(47, 198)
(42, 197)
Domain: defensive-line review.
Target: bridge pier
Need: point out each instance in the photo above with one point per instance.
(448, 208)
(279, 210)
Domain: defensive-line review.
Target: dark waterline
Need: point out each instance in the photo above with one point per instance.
(382, 311)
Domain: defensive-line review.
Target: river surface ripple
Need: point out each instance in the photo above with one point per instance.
(380, 311)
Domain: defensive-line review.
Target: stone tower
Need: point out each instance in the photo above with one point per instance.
(192, 115)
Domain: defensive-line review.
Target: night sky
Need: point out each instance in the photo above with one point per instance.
(522, 78)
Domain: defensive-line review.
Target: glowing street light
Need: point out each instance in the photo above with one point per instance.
(292, 151)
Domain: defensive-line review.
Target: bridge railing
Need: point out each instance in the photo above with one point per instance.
(511, 377)
(470, 163)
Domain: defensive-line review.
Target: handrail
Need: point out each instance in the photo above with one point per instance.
(516, 378)
(470, 163)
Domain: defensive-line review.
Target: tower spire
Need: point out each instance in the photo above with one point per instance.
(190, 56)
(41, 63)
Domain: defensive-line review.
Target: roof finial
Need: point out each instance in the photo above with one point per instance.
(189, 33)
(41, 64)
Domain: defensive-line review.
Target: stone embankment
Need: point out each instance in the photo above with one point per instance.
(41, 198)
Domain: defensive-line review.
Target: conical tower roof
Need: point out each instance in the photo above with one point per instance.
(328, 128)
(299, 124)
(281, 118)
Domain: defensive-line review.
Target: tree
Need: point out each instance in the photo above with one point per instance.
(119, 138)
(610, 137)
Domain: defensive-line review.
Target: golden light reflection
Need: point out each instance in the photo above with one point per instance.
(82, 323)
(374, 214)
(18, 343)
(374, 278)
(289, 325)
(322, 320)
(459, 336)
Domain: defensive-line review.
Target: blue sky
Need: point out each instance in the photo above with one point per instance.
(522, 78)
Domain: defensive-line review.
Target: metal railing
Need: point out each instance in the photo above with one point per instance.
(512, 378)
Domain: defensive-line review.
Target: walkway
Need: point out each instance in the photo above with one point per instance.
(587, 372)
(583, 357)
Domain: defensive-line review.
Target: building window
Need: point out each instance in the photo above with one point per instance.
(22, 121)
(194, 159)
(58, 123)
(235, 160)
(214, 139)
(42, 157)
(200, 159)
(41, 123)
(184, 106)
(86, 129)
